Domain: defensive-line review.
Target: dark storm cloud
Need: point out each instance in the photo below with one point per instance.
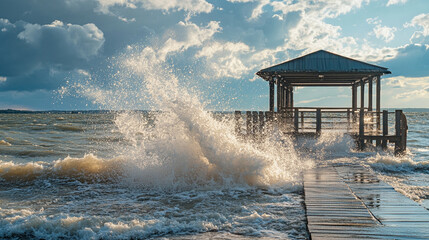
(44, 48)
(34, 46)
(117, 32)
(412, 61)
(31, 46)
(43, 78)
(33, 42)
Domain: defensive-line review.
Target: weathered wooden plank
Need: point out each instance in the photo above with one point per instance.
(397, 213)
(350, 202)
(331, 206)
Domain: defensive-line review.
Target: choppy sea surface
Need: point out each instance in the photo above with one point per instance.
(177, 171)
(120, 176)
(136, 175)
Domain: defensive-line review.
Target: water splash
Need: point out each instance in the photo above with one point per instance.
(185, 144)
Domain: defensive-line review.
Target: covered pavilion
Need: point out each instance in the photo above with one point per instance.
(323, 69)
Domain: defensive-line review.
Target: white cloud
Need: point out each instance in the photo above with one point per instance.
(373, 20)
(312, 33)
(407, 82)
(394, 83)
(85, 41)
(5, 24)
(422, 21)
(241, 1)
(321, 99)
(197, 6)
(31, 34)
(225, 59)
(415, 94)
(393, 2)
(322, 8)
(186, 35)
(258, 10)
(407, 88)
(313, 100)
(385, 33)
(381, 32)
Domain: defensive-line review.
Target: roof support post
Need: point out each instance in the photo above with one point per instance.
(362, 94)
(370, 94)
(378, 103)
(291, 97)
(285, 97)
(278, 95)
(282, 95)
(354, 101)
(271, 95)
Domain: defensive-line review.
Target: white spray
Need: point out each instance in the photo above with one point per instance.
(186, 145)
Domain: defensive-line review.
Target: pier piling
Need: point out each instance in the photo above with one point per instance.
(318, 121)
(361, 130)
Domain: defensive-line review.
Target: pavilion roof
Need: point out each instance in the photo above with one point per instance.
(322, 68)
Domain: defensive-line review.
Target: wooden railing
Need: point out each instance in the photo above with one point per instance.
(365, 126)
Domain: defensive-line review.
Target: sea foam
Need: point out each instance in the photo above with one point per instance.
(185, 145)
(390, 163)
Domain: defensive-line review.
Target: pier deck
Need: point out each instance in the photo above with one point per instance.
(349, 202)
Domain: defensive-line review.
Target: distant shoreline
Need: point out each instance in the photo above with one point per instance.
(14, 111)
(65, 111)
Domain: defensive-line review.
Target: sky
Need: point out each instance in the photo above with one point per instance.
(213, 46)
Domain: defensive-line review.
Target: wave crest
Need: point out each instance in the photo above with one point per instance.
(89, 165)
(88, 169)
(389, 163)
(4, 143)
(12, 171)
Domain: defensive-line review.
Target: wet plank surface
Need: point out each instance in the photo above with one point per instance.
(350, 202)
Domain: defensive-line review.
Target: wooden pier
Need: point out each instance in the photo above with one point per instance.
(326, 69)
(342, 201)
(364, 126)
(350, 202)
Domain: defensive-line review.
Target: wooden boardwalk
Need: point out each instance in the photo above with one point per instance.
(349, 202)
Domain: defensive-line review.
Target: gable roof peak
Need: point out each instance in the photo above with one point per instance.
(322, 61)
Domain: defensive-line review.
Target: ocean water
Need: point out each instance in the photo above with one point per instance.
(176, 171)
(117, 176)
(80, 176)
